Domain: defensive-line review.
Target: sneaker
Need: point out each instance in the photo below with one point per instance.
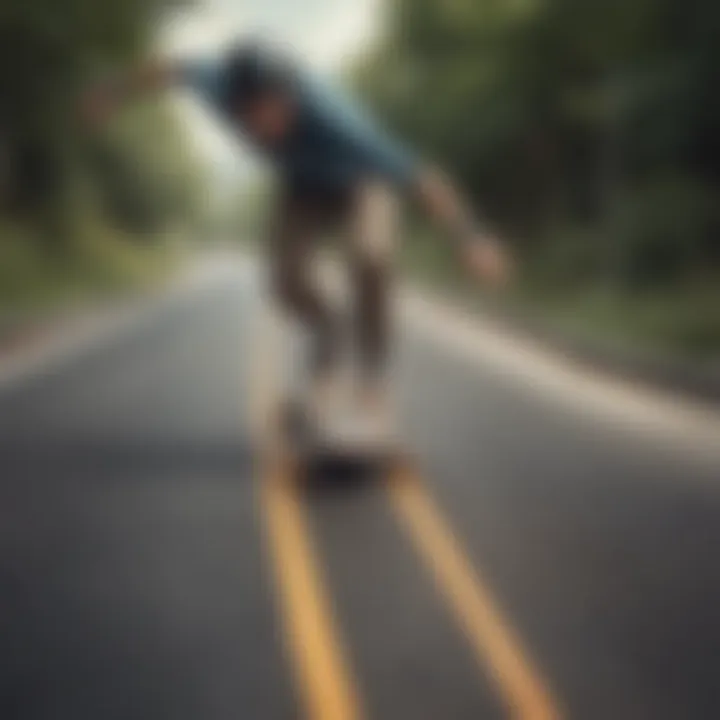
(325, 396)
(367, 426)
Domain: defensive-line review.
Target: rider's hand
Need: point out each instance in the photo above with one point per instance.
(487, 261)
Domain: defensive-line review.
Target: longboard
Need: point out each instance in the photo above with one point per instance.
(324, 461)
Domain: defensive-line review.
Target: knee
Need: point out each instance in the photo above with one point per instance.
(286, 285)
(371, 278)
(371, 266)
(375, 227)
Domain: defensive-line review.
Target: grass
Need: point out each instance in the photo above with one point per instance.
(681, 320)
(36, 277)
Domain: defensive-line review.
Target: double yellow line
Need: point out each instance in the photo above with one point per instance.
(323, 677)
(321, 667)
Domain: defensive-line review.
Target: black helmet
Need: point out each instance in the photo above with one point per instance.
(253, 70)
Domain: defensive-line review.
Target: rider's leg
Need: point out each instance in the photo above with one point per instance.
(293, 246)
(374, 227)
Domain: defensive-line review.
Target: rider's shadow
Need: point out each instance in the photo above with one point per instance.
(329, 476)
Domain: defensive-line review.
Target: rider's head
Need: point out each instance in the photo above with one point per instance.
(260, 92)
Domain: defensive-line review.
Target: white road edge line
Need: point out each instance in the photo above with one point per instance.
(91, 330)
(658, 414)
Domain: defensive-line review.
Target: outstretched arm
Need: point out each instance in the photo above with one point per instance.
(480, 250)
(103, 99)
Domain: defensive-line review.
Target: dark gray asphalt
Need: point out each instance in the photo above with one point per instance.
(135, 580)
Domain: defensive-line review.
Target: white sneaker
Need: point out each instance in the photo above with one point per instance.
(361, 428)
(325, 397)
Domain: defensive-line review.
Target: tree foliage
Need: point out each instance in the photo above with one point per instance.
(596, 114)
(49, 49)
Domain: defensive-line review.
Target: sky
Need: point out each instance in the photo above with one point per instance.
(326, 34)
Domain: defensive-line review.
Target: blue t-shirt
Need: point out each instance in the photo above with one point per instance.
(332, 145)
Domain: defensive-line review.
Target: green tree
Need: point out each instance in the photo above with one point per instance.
(48, 50)
(569, 113)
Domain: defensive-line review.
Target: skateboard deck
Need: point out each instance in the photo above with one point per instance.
(324, 460)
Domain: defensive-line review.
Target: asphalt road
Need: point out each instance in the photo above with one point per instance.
(540, 561)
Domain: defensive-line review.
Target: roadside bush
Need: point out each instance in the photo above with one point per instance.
(664, 231)
(103, 261)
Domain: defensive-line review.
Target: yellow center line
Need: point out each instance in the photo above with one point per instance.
(321, 673)
(495, 644)
(323, 681)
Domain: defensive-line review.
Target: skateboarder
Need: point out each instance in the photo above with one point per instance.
(337, 171)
